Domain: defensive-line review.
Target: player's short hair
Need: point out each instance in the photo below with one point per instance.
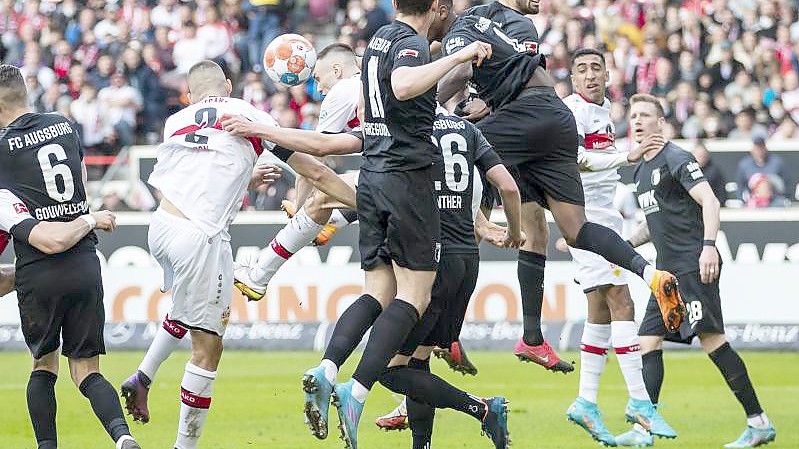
(336, 48)
(414, 7)
(585, 52)
(12, 86)
(647, 98)
(206, 77)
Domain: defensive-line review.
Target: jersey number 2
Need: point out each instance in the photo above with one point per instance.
(448, 143)
(51, 172)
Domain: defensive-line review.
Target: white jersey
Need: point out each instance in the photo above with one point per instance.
(339, 110)
(597, 154)
(203, 170)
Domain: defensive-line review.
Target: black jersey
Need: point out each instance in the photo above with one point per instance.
(674, 218)
(514, 44)
(463, 148)
(397, 132)
(41, 163)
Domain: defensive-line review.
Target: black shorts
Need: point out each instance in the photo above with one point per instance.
(441, 323)
(536, 136)
(399, 219)
(704, 311)
(62, 299)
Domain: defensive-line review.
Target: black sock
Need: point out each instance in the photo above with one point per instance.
(351, 215)
(105, 404)
(733, 369)
(653, 373)
(607, 243)
(351, 328)
(389, 333)
(432, 390)
(42, 407)
(420, 416)
(531, 283)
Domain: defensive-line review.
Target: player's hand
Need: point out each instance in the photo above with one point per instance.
(652, 142)
(239, 126)
(560, 245)
(476, 53)
(709, 266)
(106, 220)
(475, 110)
(264, 174)
(514, 239)
(491, 233)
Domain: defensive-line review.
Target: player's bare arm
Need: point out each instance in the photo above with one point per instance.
(410, 82)
(709, 265)
(500, 178)
(6, 279)
(454, 82)
(323, 178)
(52, 237)
(593, 161)
(640, 236)
(303, 141)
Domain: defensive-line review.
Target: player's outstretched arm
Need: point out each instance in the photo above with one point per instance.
(323, 178)
(500, 178)
(709, 264)
(411, 81)
(454, 82)
(300, 140)
(52, 237)
(7, 273)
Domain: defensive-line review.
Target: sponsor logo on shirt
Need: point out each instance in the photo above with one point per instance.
(407, 53)
(454, 44)
(695, 171)
(648, 202)
(482, 24)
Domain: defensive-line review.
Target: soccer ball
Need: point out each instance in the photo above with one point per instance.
(289, 59)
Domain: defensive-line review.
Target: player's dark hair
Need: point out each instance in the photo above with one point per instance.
(413, 7)
(12, 86)
(587, 51)
(335, 48)
(651, 99)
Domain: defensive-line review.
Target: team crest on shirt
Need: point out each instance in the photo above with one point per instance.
(407, 53)
(20, 208)
(482, 24)
(656, 176)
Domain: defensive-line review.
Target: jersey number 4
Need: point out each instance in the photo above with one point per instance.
(52, 172)
(452, 145)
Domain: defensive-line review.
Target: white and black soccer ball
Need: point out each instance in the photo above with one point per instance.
(289, 59)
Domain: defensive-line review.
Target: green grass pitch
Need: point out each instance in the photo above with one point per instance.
(257, 403)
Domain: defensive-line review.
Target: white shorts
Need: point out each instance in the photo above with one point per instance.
(198, 269)
(593, 270)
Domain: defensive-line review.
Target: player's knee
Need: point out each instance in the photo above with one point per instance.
(620, 303)
(711, 342)
(48, 362)
(650, 343)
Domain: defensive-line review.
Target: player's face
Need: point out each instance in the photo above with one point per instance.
(326, 75)
(589, 77)
(644, 120)
(528, 6)
(441, 23)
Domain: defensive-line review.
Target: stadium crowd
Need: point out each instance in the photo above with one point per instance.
(724, 68)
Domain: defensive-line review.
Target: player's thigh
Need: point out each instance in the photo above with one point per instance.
(414, 227)
(373, 221)
(41, 312)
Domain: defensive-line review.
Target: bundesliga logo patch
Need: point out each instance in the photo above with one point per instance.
(20, 208)
(407, 53)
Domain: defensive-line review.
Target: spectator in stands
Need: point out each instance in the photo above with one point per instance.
(145, 81)
(215, 36)
(724, 71)
(101, 75)
(711, 171)
(121, 103)
(76, 80)
(88, 52)
(790, 96)
(269, 196)
(760, 161)
(786, 130)
(87, 113)
(113, 202)
(764, 192)
(376, 17)
(35, 93)
(189, 49)
(746, 128)
(33, 65)
(265, 17)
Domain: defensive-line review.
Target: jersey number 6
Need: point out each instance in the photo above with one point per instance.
(51, 172)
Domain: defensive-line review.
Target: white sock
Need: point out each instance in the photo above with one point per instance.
(122, 439)
(759, 421)
(338, 220)
(593, 354)
(165, 342)
(624, 335)
(331, 370)
(297, 234)
(649, 274)
(195, 397)
(359, 392)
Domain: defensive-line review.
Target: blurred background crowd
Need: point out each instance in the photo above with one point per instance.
(724, 68)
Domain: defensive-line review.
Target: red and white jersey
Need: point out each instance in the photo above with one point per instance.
(597, 150)
(203, 170)
(12, 212)
(339, 110)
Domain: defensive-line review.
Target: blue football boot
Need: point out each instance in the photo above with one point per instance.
(645, 414)
(349, 413)
(317, 400)
(753, 437)
(586, 415)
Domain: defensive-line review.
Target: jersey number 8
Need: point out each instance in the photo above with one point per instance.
(51, 172)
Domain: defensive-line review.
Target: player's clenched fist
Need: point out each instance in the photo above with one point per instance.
(475, 52)
(238, 125)
(106, 220)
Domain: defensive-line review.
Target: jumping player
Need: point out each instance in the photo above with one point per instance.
(202, 173)
(58, 281)
(535, 134)
(611, 311)
(682, 220)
